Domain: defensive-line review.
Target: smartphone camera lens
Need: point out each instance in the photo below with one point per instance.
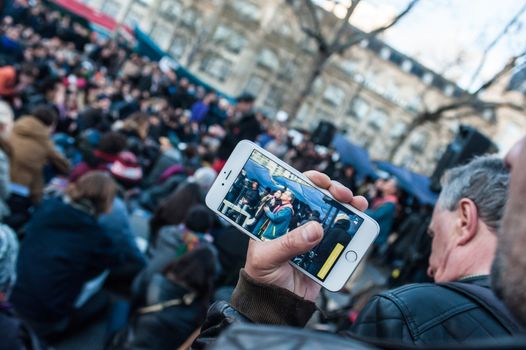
(222, 184)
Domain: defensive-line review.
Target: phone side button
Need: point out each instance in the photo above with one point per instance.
(351, 256)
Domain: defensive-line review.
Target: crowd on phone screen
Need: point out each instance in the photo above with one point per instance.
(105, 159)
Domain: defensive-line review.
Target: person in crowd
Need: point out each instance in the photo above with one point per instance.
(16, 335)
(201, 108)
(6, 125)
(464, 227)
(383, 210)
(176, 301)
(110, 146)
(64, 248)
(271, 200)
(136, 130)
(33, 149)
(251, 198)
(510, 264)
(337, 234)
(242, 126)
(278, 220)
(176, 240)
(176, 206)
(347, 177)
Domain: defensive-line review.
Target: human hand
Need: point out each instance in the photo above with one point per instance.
(268, 261)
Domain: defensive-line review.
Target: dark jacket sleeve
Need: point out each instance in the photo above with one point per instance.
(381, 318)
(268, 304)
(254, 302)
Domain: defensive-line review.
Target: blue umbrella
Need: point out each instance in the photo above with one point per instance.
(413, 183)
(305, 193)
(354, 155)
(257, 172)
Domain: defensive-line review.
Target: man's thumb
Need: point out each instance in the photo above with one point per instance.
(296, 242)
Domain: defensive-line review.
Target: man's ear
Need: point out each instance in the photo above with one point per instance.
(468, 217)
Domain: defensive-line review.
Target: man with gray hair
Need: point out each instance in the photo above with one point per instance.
(458, 308)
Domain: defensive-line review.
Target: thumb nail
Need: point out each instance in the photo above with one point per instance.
(311, 232)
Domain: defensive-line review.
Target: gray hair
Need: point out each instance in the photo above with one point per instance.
(484, 180)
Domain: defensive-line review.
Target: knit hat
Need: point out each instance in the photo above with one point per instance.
(8, 255)
(204, 177)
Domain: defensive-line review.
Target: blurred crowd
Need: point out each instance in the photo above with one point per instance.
(105, 159)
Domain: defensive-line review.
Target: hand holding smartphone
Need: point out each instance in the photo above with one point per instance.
(272, 202)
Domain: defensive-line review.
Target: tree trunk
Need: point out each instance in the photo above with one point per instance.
(317, 68)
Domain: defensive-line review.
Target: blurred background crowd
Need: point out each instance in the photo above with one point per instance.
(105, 159)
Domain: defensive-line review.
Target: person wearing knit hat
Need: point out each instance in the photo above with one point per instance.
(8, 255)
(16, 334)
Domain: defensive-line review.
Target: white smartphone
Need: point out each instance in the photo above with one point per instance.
(266, 198)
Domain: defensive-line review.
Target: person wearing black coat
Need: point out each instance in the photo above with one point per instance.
(64, 248)
(458, 308)
(176, 302)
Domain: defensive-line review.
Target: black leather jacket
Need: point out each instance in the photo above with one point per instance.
(427, 313)
(416, 314)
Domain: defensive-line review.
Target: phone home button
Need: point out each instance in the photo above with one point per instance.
(351, 256)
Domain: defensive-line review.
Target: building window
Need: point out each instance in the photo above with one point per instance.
(161, 34)
(190, 18)
(333, 95)
(449, 90)
(274, 98)
(398, 130)
(427, 78)
(419, 141)
(364, 43)
(358, 108)
(348, 66)
(229, 38)
(111, 8)
(385, 53)
(133, 18)
(216, 66)
(170, 9)
(247, 10)
(378, 119)
(407, 65)
(289, 70)
(268, 59)
(254, 85)
(178, 47)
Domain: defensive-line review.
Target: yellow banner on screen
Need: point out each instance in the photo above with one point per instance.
(330, 261)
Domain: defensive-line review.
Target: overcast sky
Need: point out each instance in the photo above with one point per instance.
(439, 32)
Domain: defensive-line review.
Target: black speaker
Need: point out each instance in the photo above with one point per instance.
(468, 143)
(324, 133)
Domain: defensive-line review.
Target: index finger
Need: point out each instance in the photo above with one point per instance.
(337, 190)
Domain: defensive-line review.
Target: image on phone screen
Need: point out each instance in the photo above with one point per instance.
(268, 200)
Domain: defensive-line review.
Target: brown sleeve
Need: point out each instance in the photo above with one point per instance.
(268, 304)
(61, 164)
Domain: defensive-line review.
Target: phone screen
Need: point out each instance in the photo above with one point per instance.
(268, 200)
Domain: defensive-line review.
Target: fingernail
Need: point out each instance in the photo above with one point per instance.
(311, 232)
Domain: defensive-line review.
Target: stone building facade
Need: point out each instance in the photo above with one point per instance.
(373, 91)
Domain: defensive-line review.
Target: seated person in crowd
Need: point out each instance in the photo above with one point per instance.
(176, 240)
(176, 300)
(65, 247)
(33, 149)
(464, 227)
(15, 334)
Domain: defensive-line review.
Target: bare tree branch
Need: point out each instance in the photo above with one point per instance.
(316, 23)
(507, 68)
(356, 39)
(493, 43)
(344, 24)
